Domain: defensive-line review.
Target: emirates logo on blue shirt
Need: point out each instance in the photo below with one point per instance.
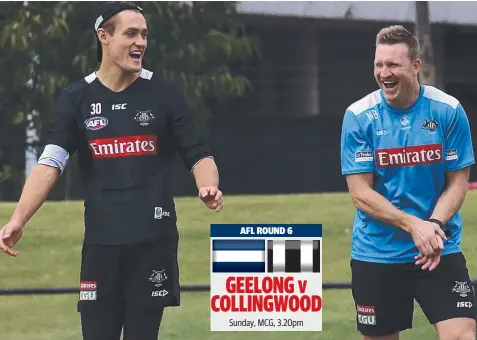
(409, 156)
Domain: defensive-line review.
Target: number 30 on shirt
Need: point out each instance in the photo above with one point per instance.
(96, 108)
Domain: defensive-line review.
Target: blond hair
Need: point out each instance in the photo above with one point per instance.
(397, 34)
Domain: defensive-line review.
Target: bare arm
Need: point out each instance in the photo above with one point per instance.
(453, 196)
(366, 199)
(426, 235)
(38, 185)
(207, 179)
(62, 141)
(206, 173)
(447, 205)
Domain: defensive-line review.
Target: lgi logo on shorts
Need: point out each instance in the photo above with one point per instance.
(88, 290)
(366, 315)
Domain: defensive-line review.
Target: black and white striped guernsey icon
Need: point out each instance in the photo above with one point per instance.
(294, 256)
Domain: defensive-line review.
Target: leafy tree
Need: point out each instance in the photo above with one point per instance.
(194, 44)
(46, 45)
(26, 87)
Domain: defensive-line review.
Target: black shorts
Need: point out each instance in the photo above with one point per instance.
(144, 275)
(384, 294)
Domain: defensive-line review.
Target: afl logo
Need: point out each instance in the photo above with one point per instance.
(95, 123)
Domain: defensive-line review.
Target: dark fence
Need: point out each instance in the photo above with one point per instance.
(184, 288)
(255, 156)
(260, 156)
(70, 290)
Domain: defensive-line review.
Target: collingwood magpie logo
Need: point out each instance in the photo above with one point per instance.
(157, 277)
(462, 288)
(144, 117)
(430, 125)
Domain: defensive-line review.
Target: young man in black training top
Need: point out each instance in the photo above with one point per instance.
(126, 125)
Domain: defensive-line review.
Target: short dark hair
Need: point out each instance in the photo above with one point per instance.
(110, 24)
(106, 18)
(397, 34)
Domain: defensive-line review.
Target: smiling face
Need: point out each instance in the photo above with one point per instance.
(396, 73)
(124, 39)
(397, 65)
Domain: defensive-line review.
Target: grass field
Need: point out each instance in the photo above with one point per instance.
(50, 249)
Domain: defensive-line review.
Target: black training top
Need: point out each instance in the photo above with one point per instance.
(126, 142)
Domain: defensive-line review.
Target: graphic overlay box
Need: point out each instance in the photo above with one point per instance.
(266, 277)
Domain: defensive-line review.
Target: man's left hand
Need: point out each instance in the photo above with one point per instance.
(212, 197)
(428, 262)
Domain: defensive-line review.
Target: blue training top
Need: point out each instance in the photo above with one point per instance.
(409, 151)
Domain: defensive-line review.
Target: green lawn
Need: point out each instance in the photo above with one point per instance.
(50, 253)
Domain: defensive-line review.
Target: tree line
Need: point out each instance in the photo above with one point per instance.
(44, 46)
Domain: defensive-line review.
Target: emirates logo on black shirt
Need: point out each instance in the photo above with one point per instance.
(141, 145)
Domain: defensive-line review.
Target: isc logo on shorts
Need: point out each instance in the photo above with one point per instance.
(159, 293)
(465, 304)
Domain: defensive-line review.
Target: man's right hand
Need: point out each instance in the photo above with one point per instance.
(428, 262)
(10, 234)
(428, 237)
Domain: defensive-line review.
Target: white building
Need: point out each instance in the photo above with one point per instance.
(317, 56)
